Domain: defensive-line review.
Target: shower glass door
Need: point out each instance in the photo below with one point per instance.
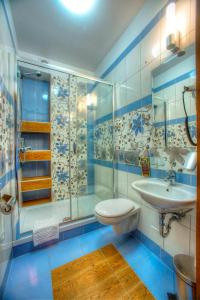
(91, 129)
(81, 143)
(79, 172)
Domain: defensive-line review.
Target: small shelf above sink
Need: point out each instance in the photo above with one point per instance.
(163, 196)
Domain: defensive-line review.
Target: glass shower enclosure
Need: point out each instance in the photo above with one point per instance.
(65, 145)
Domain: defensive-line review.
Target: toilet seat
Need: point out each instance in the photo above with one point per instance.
(121, 213)
(113, 208)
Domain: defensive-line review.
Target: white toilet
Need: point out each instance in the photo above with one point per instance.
(122, 214)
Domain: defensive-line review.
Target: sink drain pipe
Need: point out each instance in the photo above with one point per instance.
(165, 226)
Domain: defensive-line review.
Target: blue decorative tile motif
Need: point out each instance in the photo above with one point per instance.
(68, 137)
(137, 125)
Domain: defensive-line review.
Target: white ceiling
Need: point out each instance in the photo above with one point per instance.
(45, 28)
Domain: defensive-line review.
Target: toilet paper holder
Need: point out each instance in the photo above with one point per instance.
(7, 203)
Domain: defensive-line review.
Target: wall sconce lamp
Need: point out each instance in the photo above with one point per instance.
(173, 35)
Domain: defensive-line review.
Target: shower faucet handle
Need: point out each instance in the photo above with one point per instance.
(24, 149)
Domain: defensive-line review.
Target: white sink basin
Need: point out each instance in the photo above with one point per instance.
(163, 196)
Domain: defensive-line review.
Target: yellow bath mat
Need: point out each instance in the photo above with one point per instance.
(102, 274)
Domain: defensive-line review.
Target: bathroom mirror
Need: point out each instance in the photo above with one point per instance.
(173, 98)
(159, 121)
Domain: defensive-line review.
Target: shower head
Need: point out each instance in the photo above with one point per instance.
(34, 73)
(38, 74)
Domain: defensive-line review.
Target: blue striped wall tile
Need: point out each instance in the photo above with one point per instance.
(148, 242)
(64, 235)
(126, 109)
(183, 178)
(174, 81)
(6, 178)
(128, 168)
(193, 181)
(103, 163)
(166, 258)
(136, 41)
(133, 106)
(92, 226)
(157, 173)
(22, 249)
(175, 121)
(104, 119)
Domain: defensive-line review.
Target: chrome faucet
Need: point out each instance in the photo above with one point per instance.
(24, 149)
(171, 177)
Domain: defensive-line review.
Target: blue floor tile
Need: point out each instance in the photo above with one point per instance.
(36, 289)
(156, 276)
(30, 274)
(97, 239)
(133, 250)
(28, 267)
(64, 252)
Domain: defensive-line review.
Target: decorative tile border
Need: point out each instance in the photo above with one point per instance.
(103, 119)
(133, 106)
(175, 121)
(126, 109)
(155, 173)
(180, 177)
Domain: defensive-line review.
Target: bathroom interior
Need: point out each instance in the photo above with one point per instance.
(98, 149)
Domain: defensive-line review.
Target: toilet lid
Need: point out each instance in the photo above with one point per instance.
(114, 207)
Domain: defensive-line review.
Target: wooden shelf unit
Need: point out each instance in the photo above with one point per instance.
(28, 184)
(36, 202)
(35, 155)
(39, 127)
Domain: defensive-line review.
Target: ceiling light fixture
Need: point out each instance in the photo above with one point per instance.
(78, 7)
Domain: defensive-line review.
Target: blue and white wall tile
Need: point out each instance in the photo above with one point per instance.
(129, 65)
(60, 137)
(7, 140)
(68, 137)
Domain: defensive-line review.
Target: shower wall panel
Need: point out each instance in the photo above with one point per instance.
(68, 138)
(81, 138)
(60, 135)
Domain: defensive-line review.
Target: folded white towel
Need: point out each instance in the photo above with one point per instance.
(44, 231)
